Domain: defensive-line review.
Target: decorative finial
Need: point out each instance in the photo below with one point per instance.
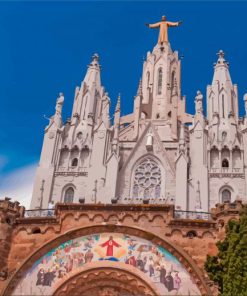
(198, 102)
(221, 54)
(221, 58)
(95, 57)
(117, 109)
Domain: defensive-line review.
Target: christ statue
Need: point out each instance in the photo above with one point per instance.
(163, 25)
(110, 244)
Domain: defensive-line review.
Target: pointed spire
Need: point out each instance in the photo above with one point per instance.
(221, 58)
(117, 109)
(198, 102)
(57, 118)
(116, 125)
(221, 72)
(93, 72)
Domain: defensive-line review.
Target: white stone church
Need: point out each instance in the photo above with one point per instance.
(159, 154)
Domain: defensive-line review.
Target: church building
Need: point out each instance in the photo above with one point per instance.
(135, 205)
(158, 154)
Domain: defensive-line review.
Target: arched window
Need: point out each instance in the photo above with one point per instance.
(64, 157)
(225, 163)
(214, 158)
(147, 180)
(236, 158)
(172, 85)
(74, 162)
(223, 106)
(69, 195)
(159, 81)
(226, 196)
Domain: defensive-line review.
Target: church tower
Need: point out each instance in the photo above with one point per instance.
(158, 154)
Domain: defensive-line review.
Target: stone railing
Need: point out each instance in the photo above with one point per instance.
(71, 171)
(226, 170)
(192, 215)
(39, 213)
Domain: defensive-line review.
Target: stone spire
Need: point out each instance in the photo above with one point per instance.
(222, 94)
(117, 108)
(198, 102)
(137, 110)
(86, 97)
(116, 125)
(57, 118)
(93, 72)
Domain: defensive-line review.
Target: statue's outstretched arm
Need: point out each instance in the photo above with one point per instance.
(173, 24)
(156, 25)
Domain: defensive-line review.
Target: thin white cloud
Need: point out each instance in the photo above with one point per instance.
(18, 184)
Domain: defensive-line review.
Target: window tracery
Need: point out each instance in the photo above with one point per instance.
(147, 180)
(159, 81)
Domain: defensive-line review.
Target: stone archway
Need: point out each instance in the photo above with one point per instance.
(100, 279)
(182, 257)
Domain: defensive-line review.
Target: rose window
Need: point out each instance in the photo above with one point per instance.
(147, 180)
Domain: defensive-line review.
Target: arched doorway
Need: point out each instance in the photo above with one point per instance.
(111, 280)
(143, 252)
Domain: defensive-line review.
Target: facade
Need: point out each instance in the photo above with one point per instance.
(129, 196)
(159, 154)
(109, 250)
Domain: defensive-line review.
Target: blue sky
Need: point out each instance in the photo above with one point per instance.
(46, 47)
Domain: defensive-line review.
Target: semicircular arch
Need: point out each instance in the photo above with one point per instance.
(132, 233)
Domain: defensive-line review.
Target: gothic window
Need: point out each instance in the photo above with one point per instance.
(84, 156)
(64, 157)
(236, 158)
(214, 158)
(159, 81)
(226, 196)
(74, 152)
(74, 162)
(69, 195)
(225, 156)
(147, 180)
(223, 106)
(225, 163)
(172, 84)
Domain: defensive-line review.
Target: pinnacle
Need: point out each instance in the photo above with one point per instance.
(95, 57)
(221, 58)
(118, 103)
